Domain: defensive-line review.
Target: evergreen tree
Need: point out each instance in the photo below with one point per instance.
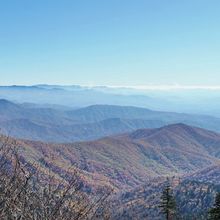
(168, 204)
(214, 212)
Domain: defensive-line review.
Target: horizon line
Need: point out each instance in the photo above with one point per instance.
(135, 87)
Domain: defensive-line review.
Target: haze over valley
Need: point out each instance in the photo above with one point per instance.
(109, 110)
(123, 147)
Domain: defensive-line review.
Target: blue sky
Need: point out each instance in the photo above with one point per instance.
(110, 42)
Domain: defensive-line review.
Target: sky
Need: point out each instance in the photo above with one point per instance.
(110, 42)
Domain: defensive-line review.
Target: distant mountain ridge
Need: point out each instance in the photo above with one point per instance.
(198, 101)
(89, 123)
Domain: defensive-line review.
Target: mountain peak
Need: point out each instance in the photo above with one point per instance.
(178, 126)
(173, 128)
(181, 128)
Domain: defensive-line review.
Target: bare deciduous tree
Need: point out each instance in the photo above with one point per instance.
(26, 193)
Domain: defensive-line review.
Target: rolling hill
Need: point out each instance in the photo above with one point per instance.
(136, 165)
(40, 123)
(131, 159)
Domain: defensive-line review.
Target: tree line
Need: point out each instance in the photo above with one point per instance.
(169, 210)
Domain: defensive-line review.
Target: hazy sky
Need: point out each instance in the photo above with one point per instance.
(110, 42)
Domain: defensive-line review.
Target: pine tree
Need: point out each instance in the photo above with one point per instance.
(168, 204)
(214, 212)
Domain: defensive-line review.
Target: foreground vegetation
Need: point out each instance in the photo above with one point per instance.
(28, 193)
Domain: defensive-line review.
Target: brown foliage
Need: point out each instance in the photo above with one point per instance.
(25, 193)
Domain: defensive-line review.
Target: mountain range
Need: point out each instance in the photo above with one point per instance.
(129, 149)
(193, 101)
(49, 124)
(135, 164)
(129, 160)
